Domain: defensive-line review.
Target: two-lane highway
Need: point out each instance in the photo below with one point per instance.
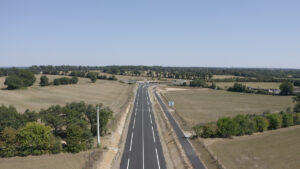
(142, 148)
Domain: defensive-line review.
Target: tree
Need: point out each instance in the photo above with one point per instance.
(93, 79)
(237, 87)
(287, 119)
(287, 88)
(244, 125)
(275, 121)
(261, 124)
(56, 81)
(8, 142)
(64, 81)
(213, 85)
(78, 139)
(226, 127)
(13, 82)
(44, 81)
(9, 117)
(34, 139)
(30, 116)
(198, 83)
(297, 119)
(53, 116)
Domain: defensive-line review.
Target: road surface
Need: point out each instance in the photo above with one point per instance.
(142, 148)
(195, 161)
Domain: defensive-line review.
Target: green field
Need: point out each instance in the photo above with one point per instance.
(194, 106)
(269, 150)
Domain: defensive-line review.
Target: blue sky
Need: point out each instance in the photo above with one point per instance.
(248, 33)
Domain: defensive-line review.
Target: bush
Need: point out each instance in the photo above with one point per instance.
(226, 127)
(44, 81)
(113, 77)
(261, 124)
(275, 121)
(287, 119)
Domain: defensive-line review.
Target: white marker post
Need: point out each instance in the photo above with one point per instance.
(98, 127)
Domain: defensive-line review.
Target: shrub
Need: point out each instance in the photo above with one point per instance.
(44, 81)
(226, 127)
(9, 117)
(297, 107)
(287, 119)
(77, 139)
(275, 121)
(261, 124)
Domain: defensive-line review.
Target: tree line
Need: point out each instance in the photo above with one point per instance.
(239, 125)
(68, 128)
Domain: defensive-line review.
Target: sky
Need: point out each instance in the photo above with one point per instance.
(214, 33)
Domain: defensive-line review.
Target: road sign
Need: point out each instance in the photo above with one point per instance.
(171, 103)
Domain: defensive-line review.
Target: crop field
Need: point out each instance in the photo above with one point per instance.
(194, 106)
(272, 149)
(264, 85)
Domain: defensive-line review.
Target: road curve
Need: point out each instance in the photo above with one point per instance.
(142, 148)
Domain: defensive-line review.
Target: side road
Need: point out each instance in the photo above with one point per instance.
(195, 161)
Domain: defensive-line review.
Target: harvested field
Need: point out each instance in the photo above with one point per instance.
(111, 93)
(276, 149)
(57, 161)
(205, 105)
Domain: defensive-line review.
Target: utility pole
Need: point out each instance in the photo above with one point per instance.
(98, 127)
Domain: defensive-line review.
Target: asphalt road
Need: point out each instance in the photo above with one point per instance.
(186, 145)
(142, 148)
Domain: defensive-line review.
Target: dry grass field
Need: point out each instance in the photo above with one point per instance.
(278, 149)
(265, 85)
(58, 161)
(111, 93)
(194, 106)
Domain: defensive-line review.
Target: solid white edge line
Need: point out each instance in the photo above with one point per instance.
(153, 134)
(128, 163)
(131, 141)
(157, 159)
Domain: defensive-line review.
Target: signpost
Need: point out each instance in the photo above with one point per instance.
(171, 103)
